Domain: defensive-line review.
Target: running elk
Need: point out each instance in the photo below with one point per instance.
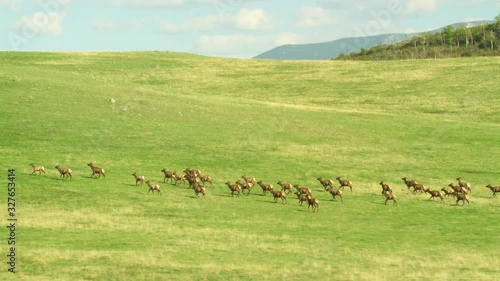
(325, 183)
(168, 175)
(287, 187)
(96, 170)
(198, 190)
(265, 187)
(65, 172)
(461, 197)
(409, 183)
(138, 179)
(464, 185)
(336, 192)
(385, 188)
(390, 196)
(312, 202)
(495, 189)
(153, 188)
(234, 188)
(278, 194)
(344, 183)
(36, 168)
(435, 193)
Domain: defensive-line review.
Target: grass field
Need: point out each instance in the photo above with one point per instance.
(429, 120)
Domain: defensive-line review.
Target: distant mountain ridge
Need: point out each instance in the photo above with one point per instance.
(332, 49)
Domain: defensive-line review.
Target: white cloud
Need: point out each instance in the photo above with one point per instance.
(253, 19)
(417, 6)
(243, 19)
(41, 23)
(315, 16)
(286, 38)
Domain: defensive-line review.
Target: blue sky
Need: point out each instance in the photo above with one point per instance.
(227, 28)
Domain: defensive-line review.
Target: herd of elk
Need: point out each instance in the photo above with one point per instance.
(195, 180)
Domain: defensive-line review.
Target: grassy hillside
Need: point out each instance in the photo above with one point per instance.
(432, 121)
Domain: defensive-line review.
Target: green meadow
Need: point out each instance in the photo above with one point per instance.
(428, 120)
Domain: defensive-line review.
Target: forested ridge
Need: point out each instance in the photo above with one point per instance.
(462, 41)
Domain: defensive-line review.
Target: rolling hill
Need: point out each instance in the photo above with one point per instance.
(290, 121)
(332, 49)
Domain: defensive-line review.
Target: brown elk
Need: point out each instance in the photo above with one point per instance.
(36, 168)
(461, 197)
(179, 178)
(435, 193)
(336, 192)
(458, 188)
(138, 179)
(234, 188)
(312, 202)
(65, 172)
(464, 185)
(205, 179)
(168, 175)
(198, 190)
(344, 183)
(448, 192)
(153, 188)
(287, 187)
(245, 186)
(494, 189)
(325, 183)
(390, 196)
(250, 180)
(302, 197)
(96, 170)
(409, 183)
(302, 190)
(265, 187)
(420, 188)
(385, 188)
(278, 194)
